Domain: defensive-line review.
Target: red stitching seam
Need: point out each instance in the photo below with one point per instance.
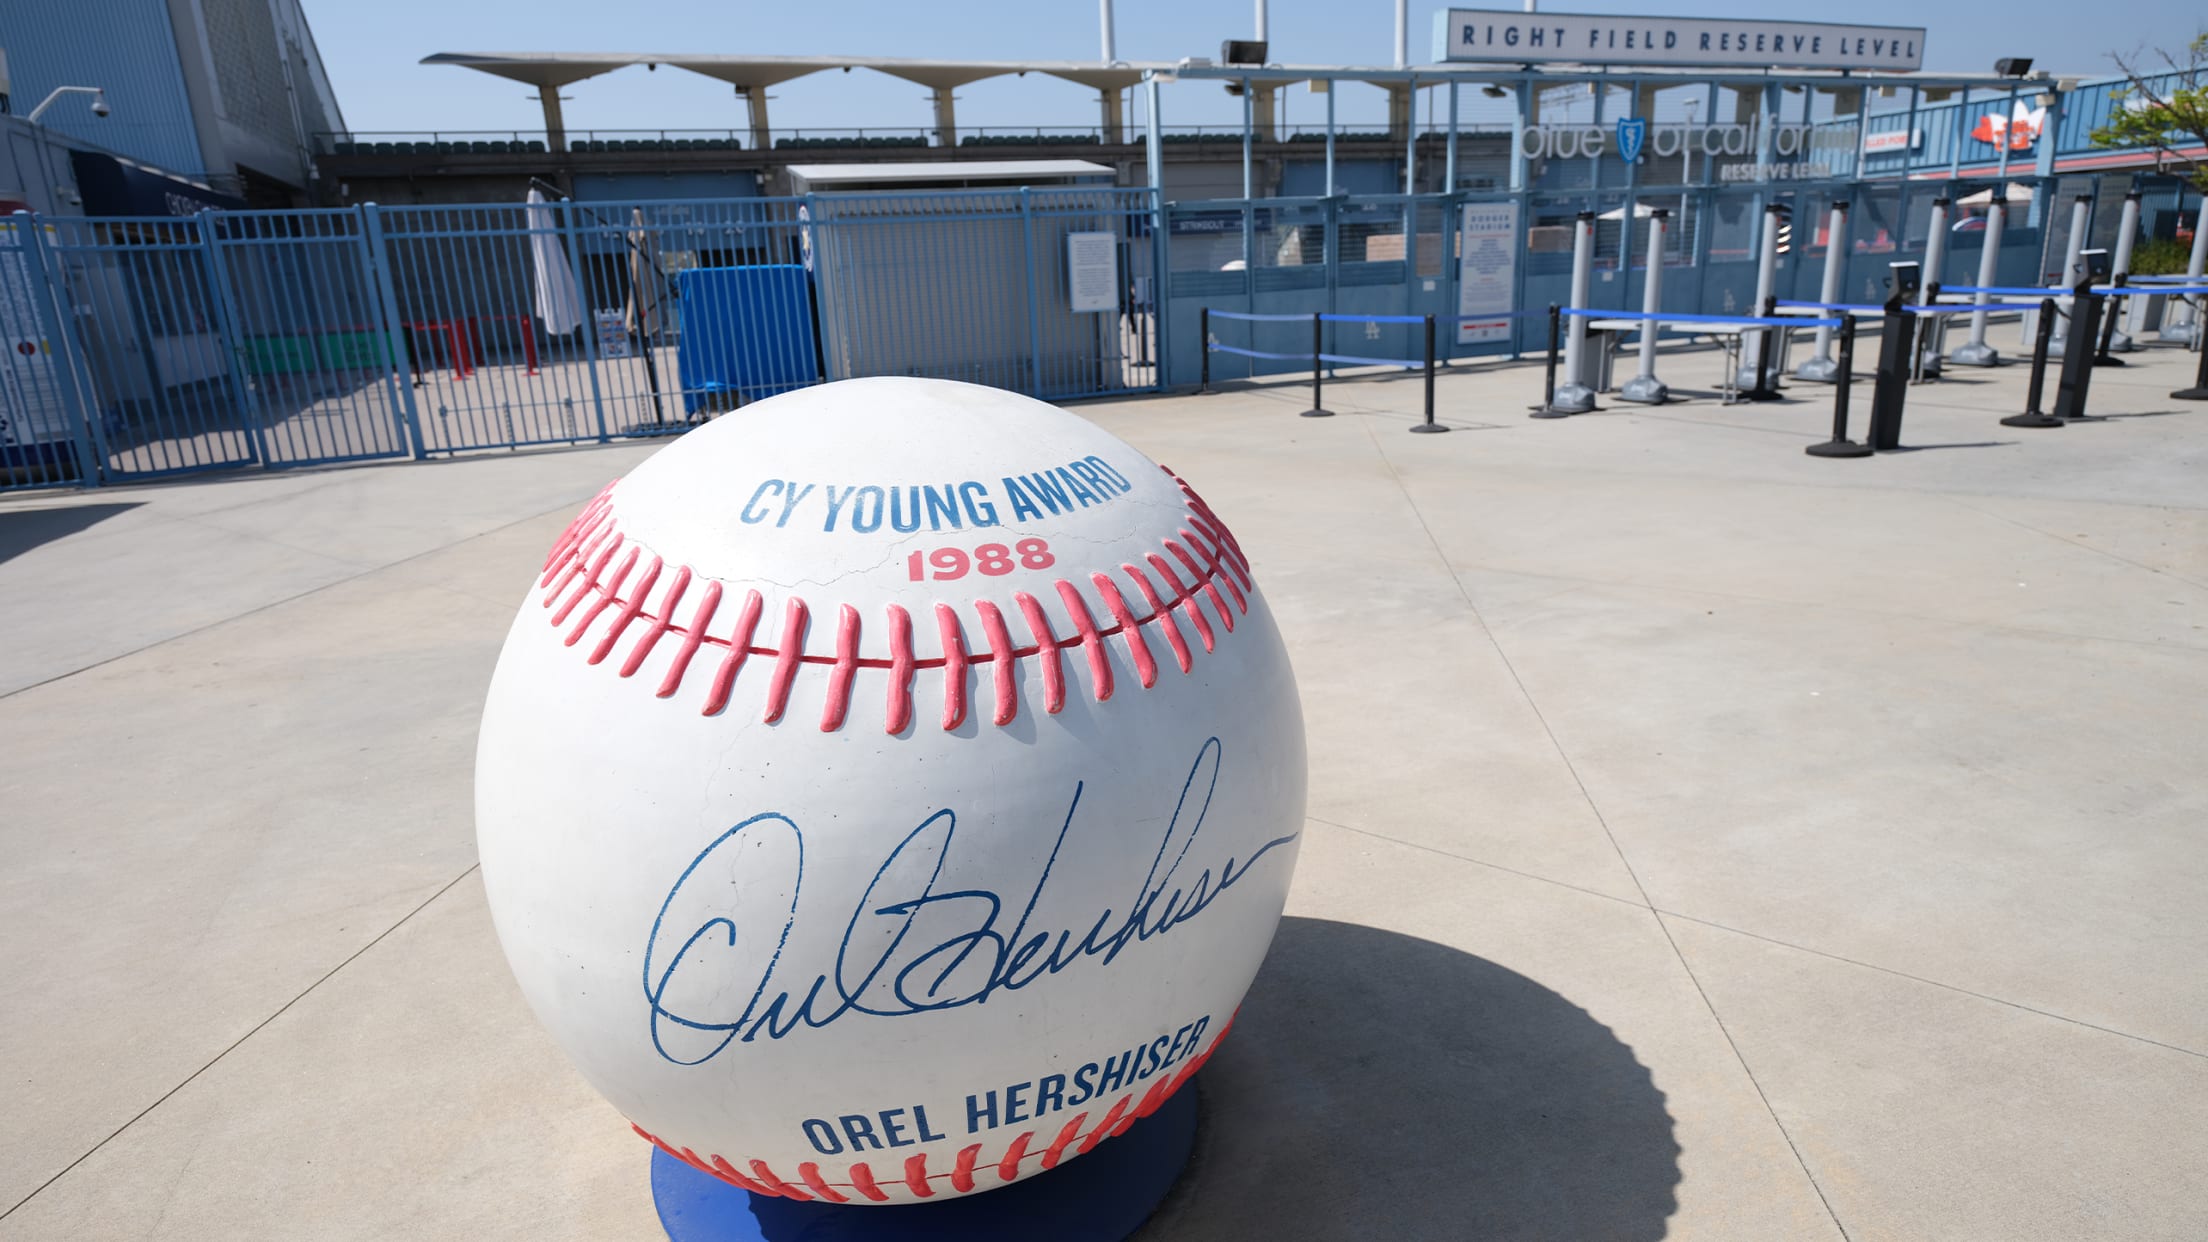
(762, 1180)
(594, 569)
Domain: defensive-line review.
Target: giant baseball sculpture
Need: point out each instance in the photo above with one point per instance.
(888, 791)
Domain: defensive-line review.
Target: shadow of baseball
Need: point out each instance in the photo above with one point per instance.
(24, 529)
(1382, 1086)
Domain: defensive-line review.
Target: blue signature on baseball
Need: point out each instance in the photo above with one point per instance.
(912, 944)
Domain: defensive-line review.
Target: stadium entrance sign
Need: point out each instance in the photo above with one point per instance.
(1501, 36)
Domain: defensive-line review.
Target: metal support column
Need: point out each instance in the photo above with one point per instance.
(1975, 352)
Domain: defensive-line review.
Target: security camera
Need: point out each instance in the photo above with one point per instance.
(99, 106)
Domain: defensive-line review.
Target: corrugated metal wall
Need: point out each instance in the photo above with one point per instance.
(125, 47)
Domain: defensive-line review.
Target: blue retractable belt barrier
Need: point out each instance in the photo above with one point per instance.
(1373, 318)
(1347, 359)
(1354, 360)
(1530, 314)
(2026, 291)
(1870, 308)
(1217, 348)
(1788, 321)
(1244, 315)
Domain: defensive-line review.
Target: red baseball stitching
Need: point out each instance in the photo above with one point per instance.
(594, 569)
(762, 1180)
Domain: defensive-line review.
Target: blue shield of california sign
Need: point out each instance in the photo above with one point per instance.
(1632, 130)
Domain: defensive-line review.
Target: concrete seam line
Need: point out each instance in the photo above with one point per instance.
(1935, 983)
(1565, 757)
(2087, 547)
(235, 1044)
(1477, 862)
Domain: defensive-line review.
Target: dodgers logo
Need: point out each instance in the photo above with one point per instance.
(1632, 131)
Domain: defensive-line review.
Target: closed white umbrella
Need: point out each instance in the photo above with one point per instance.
(559, 304)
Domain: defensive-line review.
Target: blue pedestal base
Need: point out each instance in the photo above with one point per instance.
(1101, 1197)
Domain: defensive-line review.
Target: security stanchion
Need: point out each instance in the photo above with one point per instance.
(2114, 340)
(1820, 369)
(1924, 356)
(1842, 380)
(1318, 367)
(2032, 417)
(1547, 408)
(1203, 329)
(1764, 378)
(2101, 356)
(2199, 390)
(1429, 426)
(1644, 387)
(2081, 210)
(1975, 352)
(1890, 390)
(2076, 379)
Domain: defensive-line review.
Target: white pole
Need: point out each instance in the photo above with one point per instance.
(1330, 137)
(1402, 34)
(1935, 263)
(1261, 24)
(2119, 341)
(1645, 387)
(2073, 268)
(1573, 396)
(1104, 18)
(2186, 328)
(1975, 352)
(1820, 368)
(1767, 278)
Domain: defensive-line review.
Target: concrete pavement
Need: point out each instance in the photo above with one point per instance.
(1706, 840)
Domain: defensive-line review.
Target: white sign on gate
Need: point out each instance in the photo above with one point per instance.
(1092, 272)
(1487, 271)
(1600, 39)
(31, 408)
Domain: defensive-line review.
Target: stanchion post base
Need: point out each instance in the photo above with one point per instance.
(2032, 420)
(1818, 371)
(2191, 394)
(1969, 355)
(1317, 412)
(1570, 399)
(2105, 360)
(1838, 448)
(1649, 391)
(1427, 428)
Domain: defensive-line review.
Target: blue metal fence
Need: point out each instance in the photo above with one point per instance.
(143, 348)
(1399, 255)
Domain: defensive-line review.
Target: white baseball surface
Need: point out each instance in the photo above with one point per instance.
(889, 790)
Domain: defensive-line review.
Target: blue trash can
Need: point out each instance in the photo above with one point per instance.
(747, 333)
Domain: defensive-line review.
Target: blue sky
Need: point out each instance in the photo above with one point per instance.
(371, 51)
